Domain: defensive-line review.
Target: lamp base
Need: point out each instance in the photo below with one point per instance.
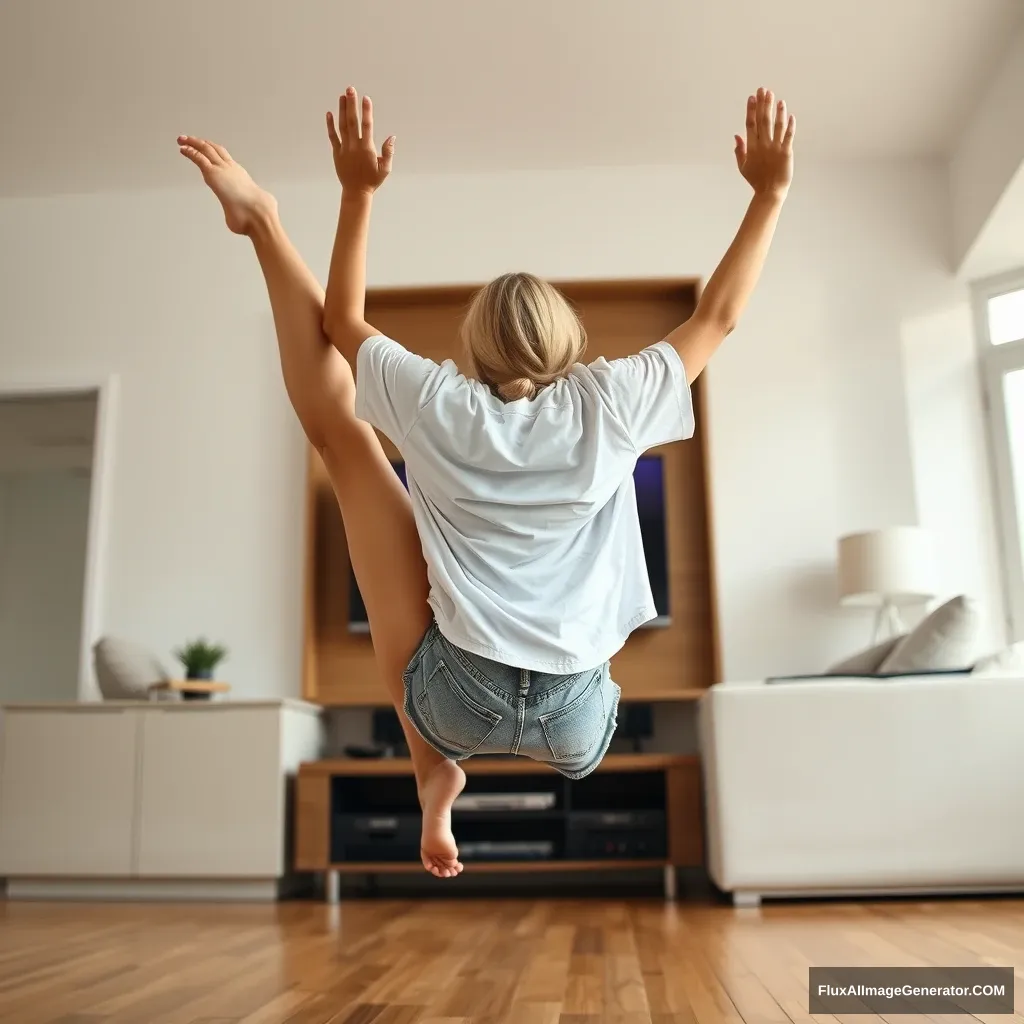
(888, 623)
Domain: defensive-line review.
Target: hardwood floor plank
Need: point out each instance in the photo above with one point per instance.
(278, 1009)
(475, 962)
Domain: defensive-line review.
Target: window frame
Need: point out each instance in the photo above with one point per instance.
(996, 363)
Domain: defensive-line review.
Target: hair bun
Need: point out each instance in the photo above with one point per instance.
(521, 387)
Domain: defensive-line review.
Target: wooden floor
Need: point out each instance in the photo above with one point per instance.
(502, 962)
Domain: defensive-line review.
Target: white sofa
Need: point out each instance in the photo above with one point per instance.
(864, 786)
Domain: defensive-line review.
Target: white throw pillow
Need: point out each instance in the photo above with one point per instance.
(125, 671)
(864, 663)
(1007, 662)
(946, 640)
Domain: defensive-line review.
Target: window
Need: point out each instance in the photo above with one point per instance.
(999, 314)
(1006, 317)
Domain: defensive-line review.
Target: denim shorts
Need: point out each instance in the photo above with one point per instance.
(463, 704)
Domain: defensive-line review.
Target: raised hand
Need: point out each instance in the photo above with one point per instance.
(765, 156)
(356, 162)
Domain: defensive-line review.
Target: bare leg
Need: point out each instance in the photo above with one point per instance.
(384, 545)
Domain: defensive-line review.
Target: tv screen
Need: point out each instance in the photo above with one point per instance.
(649, 482)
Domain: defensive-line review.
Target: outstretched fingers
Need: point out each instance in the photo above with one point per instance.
(764, 115)
(332, 131)
(787, 139)
(366, 127)
(741, 151)
(350, 124)
(387, 154)
(780, 123)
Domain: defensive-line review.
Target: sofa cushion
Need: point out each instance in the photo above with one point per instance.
(864, 663)
(1007, 662)
(124, 670)
(946, 640)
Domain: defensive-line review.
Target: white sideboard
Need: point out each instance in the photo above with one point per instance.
(139, 800)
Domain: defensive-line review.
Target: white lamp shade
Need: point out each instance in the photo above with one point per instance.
(894, 566)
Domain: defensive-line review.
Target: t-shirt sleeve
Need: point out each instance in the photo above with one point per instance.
(393, 385)
(648, 393)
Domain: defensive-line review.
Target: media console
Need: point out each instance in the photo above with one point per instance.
(636, 811)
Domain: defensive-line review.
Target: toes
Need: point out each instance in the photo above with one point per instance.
(199, 159)
(441, 867)
(203, 147)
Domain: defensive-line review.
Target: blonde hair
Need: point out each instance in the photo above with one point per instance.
(520, 334)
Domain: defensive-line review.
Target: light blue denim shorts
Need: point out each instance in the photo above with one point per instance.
(463, 704)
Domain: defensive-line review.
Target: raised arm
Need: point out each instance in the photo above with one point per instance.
(765, 159)
(361, 172)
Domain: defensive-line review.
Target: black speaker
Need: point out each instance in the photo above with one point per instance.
(636, 723)
(387, 733)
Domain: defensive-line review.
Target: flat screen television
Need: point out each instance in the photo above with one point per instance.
(649, 481)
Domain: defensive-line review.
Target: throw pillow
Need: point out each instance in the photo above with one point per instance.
(946, 639)
(125, 671)
(864, 663)
(1007, 662)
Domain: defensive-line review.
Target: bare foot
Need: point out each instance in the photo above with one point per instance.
(437, 846)
(243, 200)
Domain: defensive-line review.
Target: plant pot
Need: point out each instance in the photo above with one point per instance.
(194, 695)
(204, 675)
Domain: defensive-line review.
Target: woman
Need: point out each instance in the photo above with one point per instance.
(497, 588)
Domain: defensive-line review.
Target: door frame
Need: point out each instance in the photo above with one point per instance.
(106, 388)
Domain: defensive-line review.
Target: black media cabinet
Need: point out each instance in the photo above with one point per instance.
(635, 811)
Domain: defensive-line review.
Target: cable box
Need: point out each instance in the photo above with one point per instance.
(504, 802)
(537, 850)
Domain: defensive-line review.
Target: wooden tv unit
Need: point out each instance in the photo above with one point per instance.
(676, 663)
(383, 790)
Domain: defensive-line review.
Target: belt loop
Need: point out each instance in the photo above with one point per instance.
(524, 682)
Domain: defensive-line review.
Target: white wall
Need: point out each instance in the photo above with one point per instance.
(989, 153)
(952, 472)
(43, 525)
(809, 432)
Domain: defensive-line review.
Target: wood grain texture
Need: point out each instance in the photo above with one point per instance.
(312, 821)
(674, 663)
(685, 806)
(471, 961)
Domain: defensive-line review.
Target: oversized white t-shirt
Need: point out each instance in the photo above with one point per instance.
(527, 510)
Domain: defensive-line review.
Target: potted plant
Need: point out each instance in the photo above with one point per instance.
(200, 659)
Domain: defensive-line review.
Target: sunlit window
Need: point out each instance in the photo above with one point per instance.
(1006, 317)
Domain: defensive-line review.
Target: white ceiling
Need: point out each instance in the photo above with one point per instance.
(47, 434)
(95, 92)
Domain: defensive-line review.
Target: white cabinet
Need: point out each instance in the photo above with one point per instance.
(67, 792)
(212, 798)
(194, 794)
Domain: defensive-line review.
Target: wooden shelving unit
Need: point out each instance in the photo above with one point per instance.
(676, 663)
(318, 792)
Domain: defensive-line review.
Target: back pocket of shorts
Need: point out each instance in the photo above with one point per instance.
(459, 722)
(572, 732)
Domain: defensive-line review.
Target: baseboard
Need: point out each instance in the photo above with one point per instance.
(214, 890)
(880, 892)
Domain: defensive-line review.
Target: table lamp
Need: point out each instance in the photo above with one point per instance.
(887, 569)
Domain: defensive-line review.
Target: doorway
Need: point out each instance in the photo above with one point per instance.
(50, 518)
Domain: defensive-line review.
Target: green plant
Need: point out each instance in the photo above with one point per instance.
(200, 658)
